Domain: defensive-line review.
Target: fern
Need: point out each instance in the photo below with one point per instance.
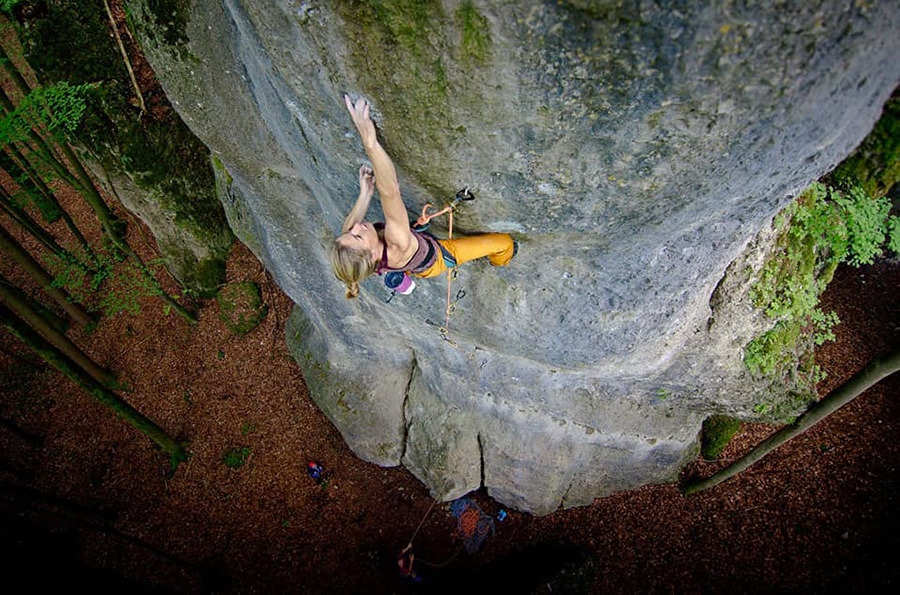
(866, 224)
(824, 228)
(894, 235)
(59, 107)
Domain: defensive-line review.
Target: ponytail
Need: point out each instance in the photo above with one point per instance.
(351, 265)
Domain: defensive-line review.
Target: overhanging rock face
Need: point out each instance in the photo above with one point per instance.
(634, 151)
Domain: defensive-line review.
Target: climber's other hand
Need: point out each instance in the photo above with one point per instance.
(366, 181)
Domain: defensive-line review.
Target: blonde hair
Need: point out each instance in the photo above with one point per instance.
(351, 265)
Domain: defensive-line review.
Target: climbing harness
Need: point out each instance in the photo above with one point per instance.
(422, 224)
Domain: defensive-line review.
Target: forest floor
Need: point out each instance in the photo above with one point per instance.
(95, 503)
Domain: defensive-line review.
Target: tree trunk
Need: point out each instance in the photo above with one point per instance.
(22, 162)
(113, 227)
(13, 428)
(32, 226)
(39, 196)
(57, 321)
(134, 83)
(33, 268)
(874, 372)
(20, 303)
(122, 409)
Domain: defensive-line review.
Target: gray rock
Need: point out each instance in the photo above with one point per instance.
(635, 151)
(196, 259)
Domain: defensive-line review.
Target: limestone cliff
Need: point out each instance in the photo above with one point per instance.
(635, 150)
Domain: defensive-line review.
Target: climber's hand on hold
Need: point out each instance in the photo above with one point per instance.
(366, 181)
(359, 113)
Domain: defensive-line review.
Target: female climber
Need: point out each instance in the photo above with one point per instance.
(364, 248)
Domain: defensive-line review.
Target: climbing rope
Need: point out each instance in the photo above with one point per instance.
(452, 272)
(422, 522)
(445, 562)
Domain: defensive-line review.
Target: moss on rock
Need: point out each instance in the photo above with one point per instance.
(476, 33)
(718, 430)
(405, 57)
(875, 165)
(241, 308)
(170, 20)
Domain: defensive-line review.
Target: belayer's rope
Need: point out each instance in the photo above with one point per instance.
(422, 522)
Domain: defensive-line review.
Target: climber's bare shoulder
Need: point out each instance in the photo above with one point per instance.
(401, 243)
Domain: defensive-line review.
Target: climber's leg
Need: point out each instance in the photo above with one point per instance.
(498, 247)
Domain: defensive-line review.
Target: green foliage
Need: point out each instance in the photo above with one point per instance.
(821, 229)
(80, 281)
(241, 308)
(866, 224)
(66, 42)
(823, 323)
(235, 458)
(772, 350)
(123, 291)
(112, 286)
(7, 6)
(717, 432)
(59, 108)
(894, 235)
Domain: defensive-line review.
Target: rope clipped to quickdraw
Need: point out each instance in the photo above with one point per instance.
(422, 223)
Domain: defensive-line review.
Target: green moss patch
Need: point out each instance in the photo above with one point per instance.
(476, 33)
(875, 164)
(235, 458)
(241, 308)
(717, 432)
(403, 58)
(208, 275)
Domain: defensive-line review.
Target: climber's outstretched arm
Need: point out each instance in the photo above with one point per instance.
(366, 190)
(396, 219)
